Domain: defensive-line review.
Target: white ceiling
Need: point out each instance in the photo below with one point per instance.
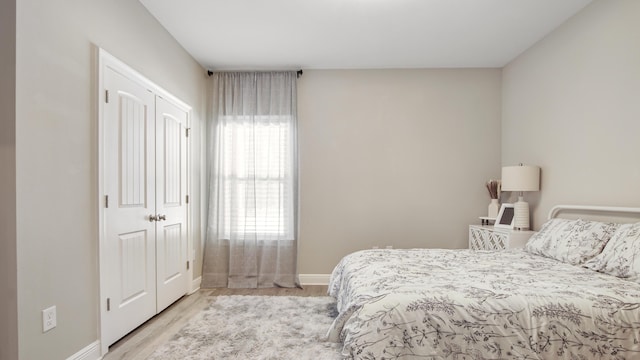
(358, 34)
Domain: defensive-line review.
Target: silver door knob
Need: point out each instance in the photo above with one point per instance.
(153, 218)
(162, 217)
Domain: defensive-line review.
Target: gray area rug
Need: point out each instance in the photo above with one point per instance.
(256, 327)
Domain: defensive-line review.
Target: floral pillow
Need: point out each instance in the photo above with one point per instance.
(621, 256)
(571, 241)
(552, 232)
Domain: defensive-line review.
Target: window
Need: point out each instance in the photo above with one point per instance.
(257, 177)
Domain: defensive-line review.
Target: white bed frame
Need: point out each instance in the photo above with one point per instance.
(609, 211)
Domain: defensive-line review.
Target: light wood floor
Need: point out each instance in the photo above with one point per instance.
(143, 341)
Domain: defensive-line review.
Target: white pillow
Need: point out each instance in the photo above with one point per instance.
(571, 241)
(621, 256)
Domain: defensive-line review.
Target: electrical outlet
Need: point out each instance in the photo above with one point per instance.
(49, 319)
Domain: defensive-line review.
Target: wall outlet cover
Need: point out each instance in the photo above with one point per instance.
(49, 319)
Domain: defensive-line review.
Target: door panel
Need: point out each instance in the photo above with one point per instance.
(173, 133)
(133, 251)
(133, 138)
(171, 182)
(129, 166)
(173, 265)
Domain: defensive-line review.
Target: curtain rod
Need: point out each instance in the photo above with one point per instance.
(298, 73)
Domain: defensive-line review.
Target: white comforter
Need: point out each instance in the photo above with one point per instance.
(462, 304)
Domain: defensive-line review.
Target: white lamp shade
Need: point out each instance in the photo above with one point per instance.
(521, 178)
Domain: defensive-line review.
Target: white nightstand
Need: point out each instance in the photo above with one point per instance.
(487, 237)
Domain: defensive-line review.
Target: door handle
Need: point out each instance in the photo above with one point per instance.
(162, 217)
(153, 218)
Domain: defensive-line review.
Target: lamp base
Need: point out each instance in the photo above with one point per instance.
(521, 214)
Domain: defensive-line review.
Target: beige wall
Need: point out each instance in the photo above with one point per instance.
(393, 157)
(388, 157)
(8, 265)
(571, 104)
(57, 153)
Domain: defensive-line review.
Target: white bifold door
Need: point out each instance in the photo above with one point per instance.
(145, 215)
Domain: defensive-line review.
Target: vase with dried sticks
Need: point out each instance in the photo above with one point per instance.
(493, 186)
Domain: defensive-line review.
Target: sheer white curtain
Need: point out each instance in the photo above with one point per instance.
(253, 199)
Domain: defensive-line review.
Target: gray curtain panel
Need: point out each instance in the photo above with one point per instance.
(252, 215)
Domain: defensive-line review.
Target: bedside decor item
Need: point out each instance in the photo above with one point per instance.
(485, 220)
(493, 186)
(521, 178)
(505, 218)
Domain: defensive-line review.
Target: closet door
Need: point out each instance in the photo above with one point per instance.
(171, 207)
(129, 183)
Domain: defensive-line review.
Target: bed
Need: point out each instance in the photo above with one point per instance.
(572, 293)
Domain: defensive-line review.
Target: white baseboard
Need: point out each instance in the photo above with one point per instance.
(314, 279)
(195, 285)
(90, 352)
(305, 279)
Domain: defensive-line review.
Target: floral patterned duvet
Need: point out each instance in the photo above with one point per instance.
(463, 304)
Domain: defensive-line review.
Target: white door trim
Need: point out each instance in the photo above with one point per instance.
(106, 60)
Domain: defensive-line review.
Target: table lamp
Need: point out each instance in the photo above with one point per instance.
(521, 178)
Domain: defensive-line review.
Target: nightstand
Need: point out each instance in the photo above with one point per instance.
(487, 237)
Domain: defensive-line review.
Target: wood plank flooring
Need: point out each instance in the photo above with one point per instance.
(143, 341)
